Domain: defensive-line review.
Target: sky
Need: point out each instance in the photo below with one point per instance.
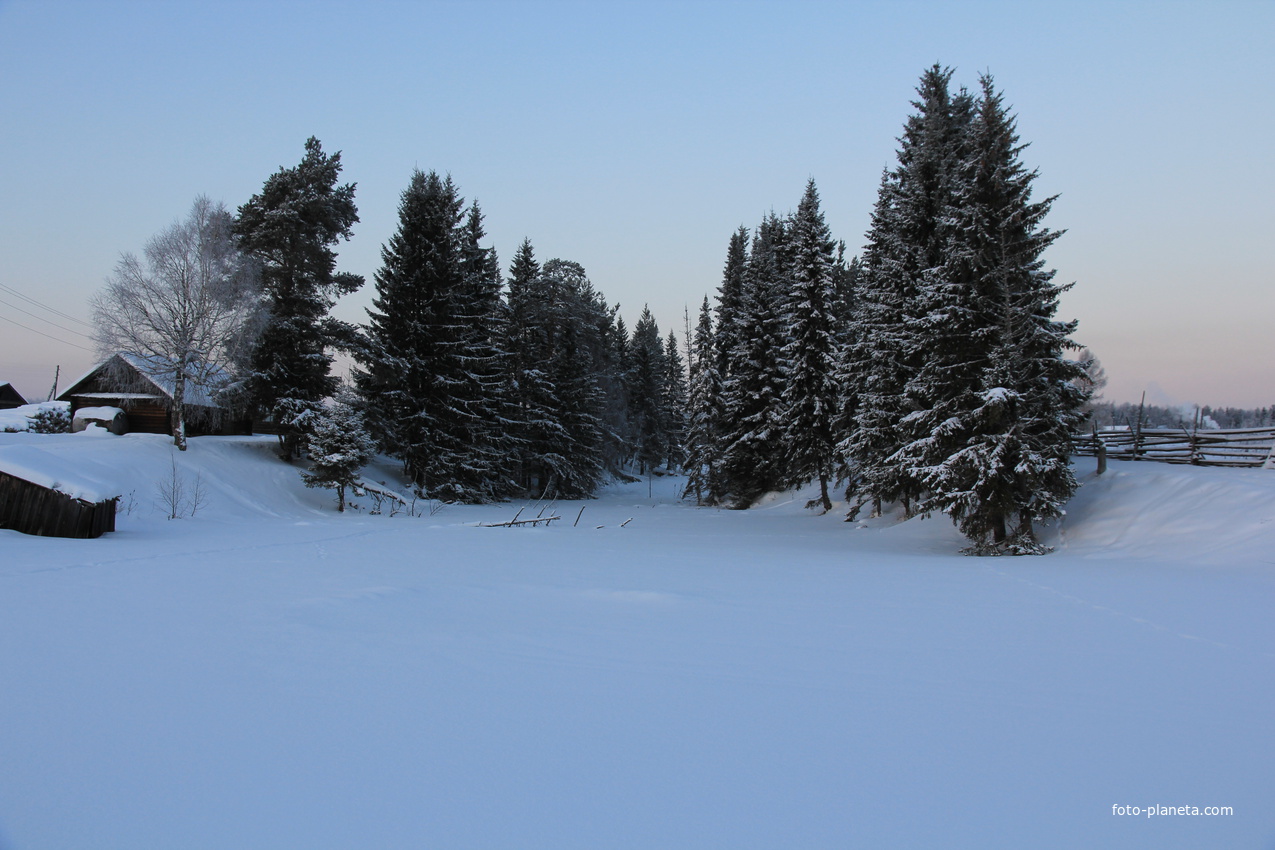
(634, 138)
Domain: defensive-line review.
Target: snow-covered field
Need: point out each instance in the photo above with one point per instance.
(270, 674)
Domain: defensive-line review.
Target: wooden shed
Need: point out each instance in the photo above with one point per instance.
(9, 397)
(143, 389)
(40, 495)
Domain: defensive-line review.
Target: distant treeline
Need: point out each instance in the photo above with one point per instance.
(1127, 414)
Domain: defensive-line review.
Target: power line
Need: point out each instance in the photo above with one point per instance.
(42, 306)
(46, 336)
(42, 319)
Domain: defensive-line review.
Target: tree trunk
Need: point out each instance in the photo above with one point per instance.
(823, 492)
(179, 408)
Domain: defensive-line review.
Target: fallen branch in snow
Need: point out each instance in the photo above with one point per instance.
(515, 522)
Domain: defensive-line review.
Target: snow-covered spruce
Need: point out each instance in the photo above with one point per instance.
(340, 447)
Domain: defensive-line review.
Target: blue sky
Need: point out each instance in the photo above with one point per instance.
(635, 137)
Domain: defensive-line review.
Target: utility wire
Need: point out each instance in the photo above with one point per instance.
(42, 319)
(42, 306)
(46, 336)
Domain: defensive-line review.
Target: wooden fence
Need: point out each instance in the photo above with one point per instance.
(1240, 447)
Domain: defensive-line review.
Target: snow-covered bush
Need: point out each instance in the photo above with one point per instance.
(46, 417)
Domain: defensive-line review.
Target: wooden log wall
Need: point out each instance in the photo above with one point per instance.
(33, 509)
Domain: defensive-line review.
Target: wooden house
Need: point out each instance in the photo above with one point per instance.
(143, 388)
(9, 397)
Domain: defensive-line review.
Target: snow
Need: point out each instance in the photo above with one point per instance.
(78, 478)
(272, 674)
(107, 413)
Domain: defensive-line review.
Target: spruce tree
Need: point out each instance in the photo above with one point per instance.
(576, 314)
(729, 334)
(753, 386)
(290, 228)
(998, 459)
(647, 410)
(673, 398)
(810, 396)
(704, 415)
(539, 434)
(339, 448)
(488, 366)
(431, 367)
(907, 239)
(611, 368)
(559, 353)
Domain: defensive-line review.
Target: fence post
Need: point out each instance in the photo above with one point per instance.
(1137, 427)
(1099, 450)
(1194, 443)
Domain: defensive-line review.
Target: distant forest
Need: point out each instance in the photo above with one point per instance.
(1108, 414)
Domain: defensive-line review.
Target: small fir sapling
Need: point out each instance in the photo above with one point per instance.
(340, 446)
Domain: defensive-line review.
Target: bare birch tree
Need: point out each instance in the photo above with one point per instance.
(189, 307)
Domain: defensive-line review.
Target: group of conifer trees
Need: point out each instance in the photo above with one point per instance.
(928, 373)
(483, 388)
(486, 394)
(931, 373)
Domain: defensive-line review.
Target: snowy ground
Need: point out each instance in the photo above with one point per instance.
(270, 674)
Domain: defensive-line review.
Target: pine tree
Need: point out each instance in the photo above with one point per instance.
(340, 446)
(810, 391)
(290, 228)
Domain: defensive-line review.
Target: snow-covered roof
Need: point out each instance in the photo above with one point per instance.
(79, 479)
(158, 372)
(118, 395)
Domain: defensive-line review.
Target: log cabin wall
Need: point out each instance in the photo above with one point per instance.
(32, 509)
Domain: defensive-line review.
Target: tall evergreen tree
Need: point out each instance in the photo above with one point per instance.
(431, 367)
(705, 416)
(612, 374)
(907, 239)
(647, 411)
(539, 433)
(674, 402)
(557, 321)
(810, 397)
(487, 358)
(998, 451)
(290, 228)
(729, 336)
(753, 386)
